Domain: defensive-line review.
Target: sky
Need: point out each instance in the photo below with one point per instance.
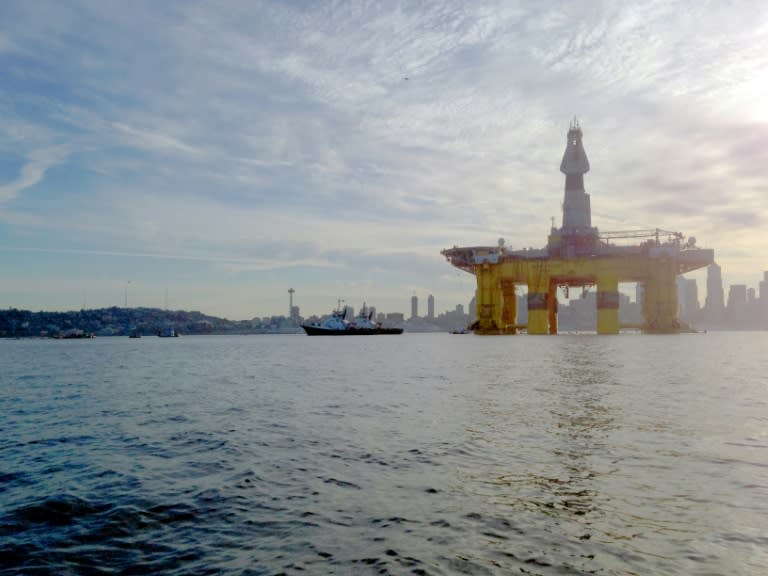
(209, 156)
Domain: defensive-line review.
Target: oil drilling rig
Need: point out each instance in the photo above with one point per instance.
(577, 255)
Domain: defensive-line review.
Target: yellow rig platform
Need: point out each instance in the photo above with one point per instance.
(577, 255)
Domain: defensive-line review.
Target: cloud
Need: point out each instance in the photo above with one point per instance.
(239, 263)
(38, 162)
(154, 141)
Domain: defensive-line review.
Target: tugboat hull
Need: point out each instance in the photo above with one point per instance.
(320, 331)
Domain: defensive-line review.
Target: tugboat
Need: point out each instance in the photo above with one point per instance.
(168, 332)
(338, 325)
(461, 331)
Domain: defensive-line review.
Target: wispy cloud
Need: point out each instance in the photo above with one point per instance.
(153, 141)
(37, 163)
(236, 261)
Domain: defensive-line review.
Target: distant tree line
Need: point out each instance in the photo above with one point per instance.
(122, 321)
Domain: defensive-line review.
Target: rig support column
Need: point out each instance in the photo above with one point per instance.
(538, 299)
(509, 312)
(607, 303)
(488, 299)
(552, 308)
(660, 297)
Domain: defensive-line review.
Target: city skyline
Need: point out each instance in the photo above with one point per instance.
(210, 156)
(759, 290)
(758, 293)
(743, 308)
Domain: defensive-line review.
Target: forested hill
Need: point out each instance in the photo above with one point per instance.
(122, 321)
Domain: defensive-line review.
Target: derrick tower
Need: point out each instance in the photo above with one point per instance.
(577, 255)
(576, 236)
(577, 215)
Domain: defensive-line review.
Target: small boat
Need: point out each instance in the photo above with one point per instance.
(338, 325)
(135, 333)
(168, 333)
(461, 331)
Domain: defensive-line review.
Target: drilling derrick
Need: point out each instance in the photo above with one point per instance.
(576, 237)
(577, 255)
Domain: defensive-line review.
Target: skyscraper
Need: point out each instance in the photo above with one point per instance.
(430, 307)
(714, 302)
(687, 298)
(414, 306)
(737, 302)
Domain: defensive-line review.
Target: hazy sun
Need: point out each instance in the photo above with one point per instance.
(754, 98)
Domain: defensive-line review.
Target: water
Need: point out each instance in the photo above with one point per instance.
(412, 454)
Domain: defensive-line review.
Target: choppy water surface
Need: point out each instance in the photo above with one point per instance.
(413, 454)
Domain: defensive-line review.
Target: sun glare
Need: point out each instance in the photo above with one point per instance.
(754, 98)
